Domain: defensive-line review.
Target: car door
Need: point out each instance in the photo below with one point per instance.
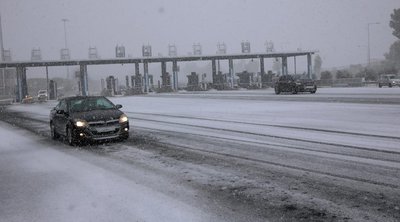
(281, 83)
(291, 83)
(285, 82)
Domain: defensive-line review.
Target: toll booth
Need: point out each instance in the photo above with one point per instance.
(52, 90)
(22, 86)
(221, 81)
(151, 82)
(7, 82)
(110, 85)
(127, 82)
(246, 80)
(166, 85)
(193, 82)
(137, 84)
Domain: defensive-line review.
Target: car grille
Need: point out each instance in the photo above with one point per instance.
(104, 128)
(95, 133)
(104, 123)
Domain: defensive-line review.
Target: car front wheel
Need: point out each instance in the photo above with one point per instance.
(53, 132)
(314, 90)
(70, 137)
(277, 90)
(294, 90)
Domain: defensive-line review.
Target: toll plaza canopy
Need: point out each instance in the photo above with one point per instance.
(153, 59)
(83, 76)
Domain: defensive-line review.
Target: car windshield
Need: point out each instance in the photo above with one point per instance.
(42, 91)
(87, 104)
(297, 77)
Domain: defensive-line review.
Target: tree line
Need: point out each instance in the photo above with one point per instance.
(371, 72)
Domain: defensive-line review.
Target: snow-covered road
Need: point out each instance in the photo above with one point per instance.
(326, 160)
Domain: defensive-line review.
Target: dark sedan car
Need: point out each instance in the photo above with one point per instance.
(88, 118)
(295, 84)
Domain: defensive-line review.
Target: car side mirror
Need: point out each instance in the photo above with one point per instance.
(118, 106)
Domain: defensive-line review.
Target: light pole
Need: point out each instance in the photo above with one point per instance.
(1, 43)
(65, 31)
(65, 41)
(2, 59)
(369, 49)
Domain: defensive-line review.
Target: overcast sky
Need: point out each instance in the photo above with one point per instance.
(337, 28)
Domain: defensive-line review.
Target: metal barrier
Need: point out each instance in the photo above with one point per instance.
(346, 82)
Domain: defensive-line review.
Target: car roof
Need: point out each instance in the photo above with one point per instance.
(82, 97)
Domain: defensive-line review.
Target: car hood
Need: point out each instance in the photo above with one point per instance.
(305, 81)
(97, 115)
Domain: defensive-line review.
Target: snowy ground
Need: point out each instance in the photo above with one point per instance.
(330, 156)
(40, 183)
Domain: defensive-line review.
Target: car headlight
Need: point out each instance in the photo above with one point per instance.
(80, 123)
(123, 118)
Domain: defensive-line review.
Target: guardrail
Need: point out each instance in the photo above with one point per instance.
(7, 101)
(346, 82)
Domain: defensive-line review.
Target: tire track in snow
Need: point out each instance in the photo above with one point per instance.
(239, 157)
(275, 136)
(270, 125)
(252, 159)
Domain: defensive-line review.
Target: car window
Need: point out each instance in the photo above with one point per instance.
(104, 103)
(62, 105)
(57, 106)
(302, 77)
(289, 78)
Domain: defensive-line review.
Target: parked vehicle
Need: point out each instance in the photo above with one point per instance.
(388, 80)
(88, 118)
(295, 84)
(27, 99)
(42, 95)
